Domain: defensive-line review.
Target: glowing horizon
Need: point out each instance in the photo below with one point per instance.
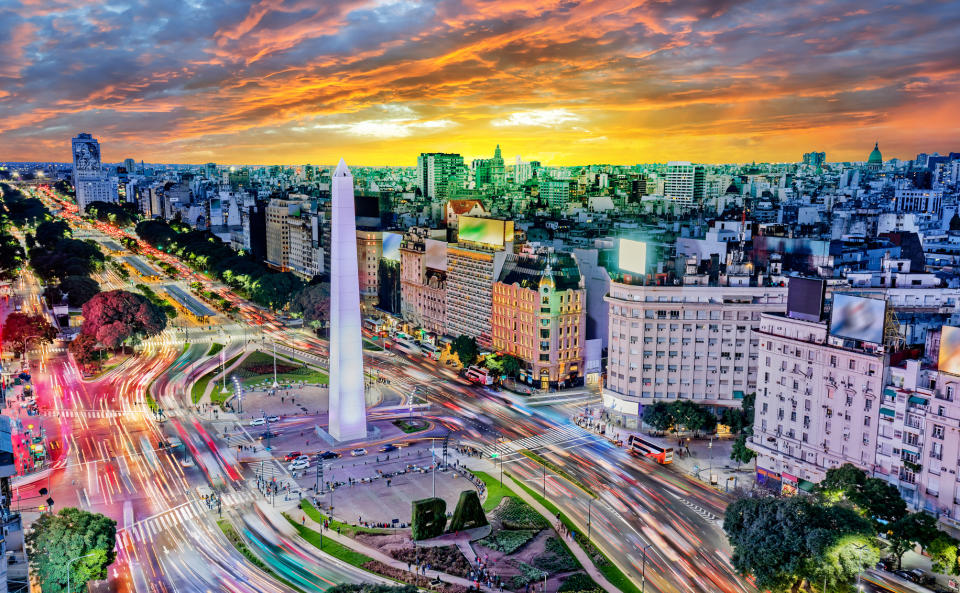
(565, 83)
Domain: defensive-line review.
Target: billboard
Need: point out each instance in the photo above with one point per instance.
(949, 360)
(632, 256)
(436, 254)
(391, 246)
(858, 318)
(805, 298)
(489, 231)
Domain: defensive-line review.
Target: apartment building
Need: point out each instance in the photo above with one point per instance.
(539, 316)
(423, 280)
(369, 251)
(683, 342)
(305, 256)
(471, 272)
(817, 402)
(278, 213)
(918, 441)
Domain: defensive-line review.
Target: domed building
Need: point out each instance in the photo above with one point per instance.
(875, 162)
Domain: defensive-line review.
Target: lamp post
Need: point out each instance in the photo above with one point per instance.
(70, 563)
(275, 384)
(860, 548)
(589, 515)
(643, 569)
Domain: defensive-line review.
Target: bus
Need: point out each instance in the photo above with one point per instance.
(479, 375)
(430, 351)
(644, 448)
(405, 345)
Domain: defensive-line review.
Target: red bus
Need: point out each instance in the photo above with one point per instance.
(644, 448)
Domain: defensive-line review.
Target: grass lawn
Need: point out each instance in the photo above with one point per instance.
(335, 549)
(495, 492)
(196, 392)
(412, 425)
(215, 348)
(607, 568)
(345, 528)
(242, 547)
(305, 374)
(371, 346)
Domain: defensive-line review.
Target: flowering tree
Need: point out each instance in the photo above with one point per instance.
(20, 327)
(84, 349)
(116, 316)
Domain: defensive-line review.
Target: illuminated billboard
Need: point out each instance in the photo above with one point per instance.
(436, 254)
(391, 246)
(805, 298)
(858, 318)
(632, 256)
(949, 361)
(489, 231)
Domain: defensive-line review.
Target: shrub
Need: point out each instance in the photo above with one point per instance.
(556, 559)
(516, 514)
(579, 582)
(508, 541)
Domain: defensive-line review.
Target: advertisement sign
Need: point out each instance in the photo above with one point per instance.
(436, 254)
(391, 246)
(805, 298)
(858, 318)
(632, 256)
(949, 360)
(489, 231)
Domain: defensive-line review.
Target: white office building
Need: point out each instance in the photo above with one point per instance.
(89, 179)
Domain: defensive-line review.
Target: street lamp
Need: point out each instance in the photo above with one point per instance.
(860, 548)
(643, 568)
(70, 563)
(275, 384)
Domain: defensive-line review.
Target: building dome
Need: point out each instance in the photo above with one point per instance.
(875, 157)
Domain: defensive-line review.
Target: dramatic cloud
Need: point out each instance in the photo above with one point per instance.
(378, 81)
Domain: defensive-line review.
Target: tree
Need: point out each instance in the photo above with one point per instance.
(313, 302)
(658, 416)
(49, 232)
(944, 554)
(909, 531)
(511, 365)
(84, 350)
(276, 289)
(79, 289)
(116, 316)
(784, 541)
(19, 328)
(739, 452)
(466, 350)
(11, 256)
(879, 499)
(55, 542)
(53, 294)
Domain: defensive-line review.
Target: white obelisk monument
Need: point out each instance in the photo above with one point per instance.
(348, 413)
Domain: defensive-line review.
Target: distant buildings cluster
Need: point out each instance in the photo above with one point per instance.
(655, 282)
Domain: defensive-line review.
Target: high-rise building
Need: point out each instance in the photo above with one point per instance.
(497, 173)
(522, 172)
(89, 179)
(555, 193)
(814, 159)
(684, 185)
(473, 265)
(539, 316)
(423, 280)
(683, 342)
(278, 213)
(437, 172)
(130, 165)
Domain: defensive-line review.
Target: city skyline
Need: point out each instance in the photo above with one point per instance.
(559, 82)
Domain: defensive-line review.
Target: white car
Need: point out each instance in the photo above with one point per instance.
(302, 458)
(273, 419)
(258, 421)
(299, 464)
(358, 452)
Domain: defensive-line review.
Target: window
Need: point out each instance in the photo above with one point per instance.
(866, 420)
(833, 361)
(938, 431)
(852, 365)
(868, 404)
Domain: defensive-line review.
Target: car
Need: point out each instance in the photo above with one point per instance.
(302, 458)
(388, 448)
(299, 464)
(269, 434)
(186, 462)
(329, 455)
(273, 418)
(292, 455)
(258, 421)
(358, 452)
(906, 575)
(886, 564)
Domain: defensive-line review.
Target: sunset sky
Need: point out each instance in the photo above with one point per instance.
(565, 82)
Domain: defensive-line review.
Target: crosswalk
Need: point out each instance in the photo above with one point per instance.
(566, 436)
(104, 414)
(145, 530)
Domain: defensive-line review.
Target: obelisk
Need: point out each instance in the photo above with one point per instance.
(348, 413)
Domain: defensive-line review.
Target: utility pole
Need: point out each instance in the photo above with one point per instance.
(275, 384)
(643, 570)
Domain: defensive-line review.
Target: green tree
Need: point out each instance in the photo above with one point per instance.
(12, 255)
(944, 554)
(79, 289)
(466, 350)
(658, 416)
(49, 232)
(909, 531)
(784, 541)
(511, 365)
(739, 452)
(56, 540)
(879, 499)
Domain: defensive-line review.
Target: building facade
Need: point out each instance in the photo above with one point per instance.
(278, 213)
(90, 182)
(423, 281)
(817, 403)
(472, 270)
(539, 316)
(437, 171)
(684, 185)
(683, 342)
